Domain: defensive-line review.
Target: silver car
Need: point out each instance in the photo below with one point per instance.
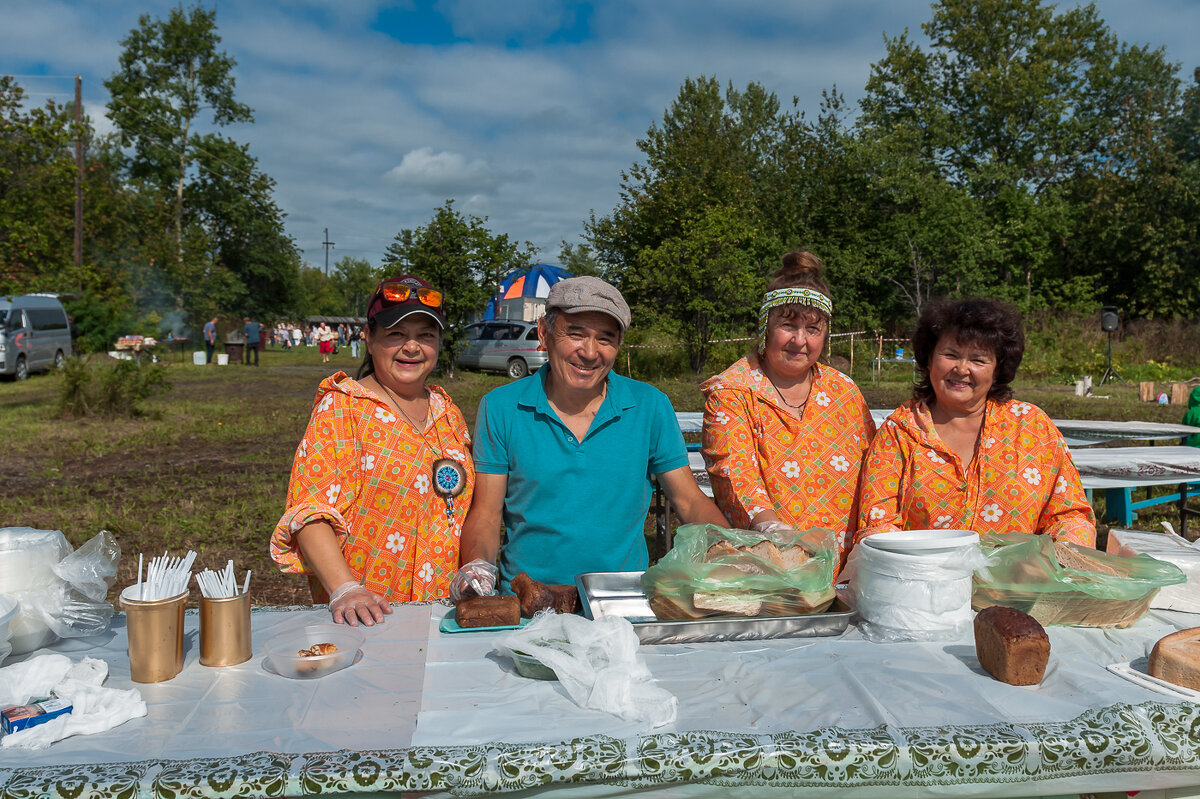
(501, 346)
(35, 334)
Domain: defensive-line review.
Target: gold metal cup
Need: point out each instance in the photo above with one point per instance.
(155, 632)
(225, 630)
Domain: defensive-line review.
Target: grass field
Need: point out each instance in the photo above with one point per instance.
(207, 467)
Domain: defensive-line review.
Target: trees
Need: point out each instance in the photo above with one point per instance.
(171, 71)
(1021, 108)
(688, 243)
(461, 257)
(354, 280)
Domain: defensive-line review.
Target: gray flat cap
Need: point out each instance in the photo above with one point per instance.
(579, 294)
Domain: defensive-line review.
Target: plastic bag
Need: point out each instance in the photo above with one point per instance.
(744, 584)
(1090, 589)
(597, 662)
(61, 593)
(911, 597)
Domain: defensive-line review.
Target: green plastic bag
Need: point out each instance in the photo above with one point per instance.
(1088, 588)
(683, 585)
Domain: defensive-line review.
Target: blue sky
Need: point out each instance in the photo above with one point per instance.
(369, 115)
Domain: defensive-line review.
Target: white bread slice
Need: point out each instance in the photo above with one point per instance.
(794, 557)
(726, 602)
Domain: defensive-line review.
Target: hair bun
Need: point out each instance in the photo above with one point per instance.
(800, 263)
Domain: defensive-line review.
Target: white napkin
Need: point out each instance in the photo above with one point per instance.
(95, 708)
(597, 662)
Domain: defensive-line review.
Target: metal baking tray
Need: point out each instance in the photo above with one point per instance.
(620, 594)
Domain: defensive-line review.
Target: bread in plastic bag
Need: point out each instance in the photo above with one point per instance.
(1061, 583)
(688, 583)
(61, 592)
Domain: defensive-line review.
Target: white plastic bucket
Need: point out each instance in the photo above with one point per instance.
(914, 595)
(198, 359)
(222, 359)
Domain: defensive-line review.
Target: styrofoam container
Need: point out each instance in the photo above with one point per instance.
(281, 650)
(198, 358)
(222, 359)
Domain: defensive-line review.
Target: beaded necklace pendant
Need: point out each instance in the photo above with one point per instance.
(449, 480)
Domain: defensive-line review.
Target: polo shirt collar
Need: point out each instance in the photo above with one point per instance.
(619, 398)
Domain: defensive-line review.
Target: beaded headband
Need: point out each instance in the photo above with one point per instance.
(793, 296)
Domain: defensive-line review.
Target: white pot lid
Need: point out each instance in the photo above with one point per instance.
(921, 542)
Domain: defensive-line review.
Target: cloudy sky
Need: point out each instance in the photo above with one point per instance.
(369, 115)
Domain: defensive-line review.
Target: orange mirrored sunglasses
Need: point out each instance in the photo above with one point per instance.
(400, 292)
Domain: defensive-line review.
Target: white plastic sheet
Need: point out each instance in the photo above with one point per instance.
(597, 664)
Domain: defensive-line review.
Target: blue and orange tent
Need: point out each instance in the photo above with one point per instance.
(534, 281)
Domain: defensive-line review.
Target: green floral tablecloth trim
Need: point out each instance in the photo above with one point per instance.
(1150, 737)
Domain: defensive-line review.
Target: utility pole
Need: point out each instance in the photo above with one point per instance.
(78, 174)
(327, 244)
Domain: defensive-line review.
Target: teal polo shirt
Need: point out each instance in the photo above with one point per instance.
(576, 506)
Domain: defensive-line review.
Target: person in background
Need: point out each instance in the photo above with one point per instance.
(565, 456)
(1192, 417)
(253, 332)
(324, 336)
(784, 436)
(355, 338)
(963, 454)
(210, 338)
(383, 477)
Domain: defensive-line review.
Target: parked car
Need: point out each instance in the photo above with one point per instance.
(35, 334)
(501, 346)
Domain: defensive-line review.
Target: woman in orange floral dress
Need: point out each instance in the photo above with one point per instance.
(962, 454)
(784, 436)
(383, 478)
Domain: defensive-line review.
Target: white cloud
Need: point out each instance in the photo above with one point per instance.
(444, 174)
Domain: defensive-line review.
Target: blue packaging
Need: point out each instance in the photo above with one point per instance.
(18, 717)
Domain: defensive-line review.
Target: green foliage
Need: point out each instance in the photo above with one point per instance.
(460, 256)
(118, 388)
(353, 281)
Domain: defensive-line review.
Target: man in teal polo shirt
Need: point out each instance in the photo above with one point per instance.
(564, 457)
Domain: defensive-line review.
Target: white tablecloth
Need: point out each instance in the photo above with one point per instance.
(426, 712)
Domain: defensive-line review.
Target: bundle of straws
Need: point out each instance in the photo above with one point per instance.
(165, 577)
(218, 585)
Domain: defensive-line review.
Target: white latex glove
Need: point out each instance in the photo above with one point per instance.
(352, 602)
(477, 578)
(771, 526)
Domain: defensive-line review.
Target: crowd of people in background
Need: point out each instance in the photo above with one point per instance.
(329, 339)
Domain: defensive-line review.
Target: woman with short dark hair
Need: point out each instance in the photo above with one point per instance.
(962, 454)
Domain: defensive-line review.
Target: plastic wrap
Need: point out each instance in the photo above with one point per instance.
(912, 597)
(1096, 590)
(673, 582)
(61, 592)
(597, 663)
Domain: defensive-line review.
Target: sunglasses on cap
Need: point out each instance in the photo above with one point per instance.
(396, 291)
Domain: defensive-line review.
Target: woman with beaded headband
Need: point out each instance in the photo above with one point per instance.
(784, 436)
(383, 478)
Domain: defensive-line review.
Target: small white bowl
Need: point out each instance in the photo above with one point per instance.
(922, 542)
(281, 650)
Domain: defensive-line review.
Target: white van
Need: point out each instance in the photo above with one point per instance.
(35, 334)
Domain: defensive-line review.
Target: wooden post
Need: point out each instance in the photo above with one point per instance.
(851, 356)
(1146, 391)
(1179, 393)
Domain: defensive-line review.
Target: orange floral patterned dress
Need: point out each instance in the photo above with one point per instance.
(368, 474)
(760, 457)
(1021, 480)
